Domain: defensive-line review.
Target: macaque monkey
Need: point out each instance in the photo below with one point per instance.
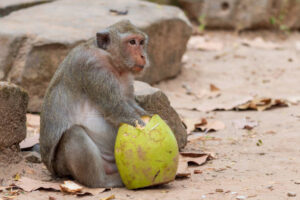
(88, 98)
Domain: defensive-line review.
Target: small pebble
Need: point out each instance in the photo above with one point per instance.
(291, 194)
(233, 193)
(203, 196)
(241, 197)
(219, 190)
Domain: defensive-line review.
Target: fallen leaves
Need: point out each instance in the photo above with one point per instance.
(207, 126)
(70, 187)
(198, 171)
(261, 104)
(291, 194)
(10, 192)
(191, 158)
(211, 101)
(213, 88)
(29, 185)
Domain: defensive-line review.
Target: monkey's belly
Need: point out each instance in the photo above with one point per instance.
(101, 132)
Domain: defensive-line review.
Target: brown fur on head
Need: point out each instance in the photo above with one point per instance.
(127, 46)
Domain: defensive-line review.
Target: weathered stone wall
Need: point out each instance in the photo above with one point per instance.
(244, 14)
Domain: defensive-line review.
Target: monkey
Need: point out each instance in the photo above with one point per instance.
(89, 96)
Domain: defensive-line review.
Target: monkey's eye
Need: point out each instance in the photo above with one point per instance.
(142, 42)
(132, 42)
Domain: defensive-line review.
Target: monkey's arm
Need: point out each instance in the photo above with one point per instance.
(104, 90)
(138, 109)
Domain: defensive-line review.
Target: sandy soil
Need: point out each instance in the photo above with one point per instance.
(242, 169)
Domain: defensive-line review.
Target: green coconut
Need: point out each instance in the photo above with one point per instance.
(146, 156)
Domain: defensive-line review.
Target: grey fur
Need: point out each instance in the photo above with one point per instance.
(90, 95)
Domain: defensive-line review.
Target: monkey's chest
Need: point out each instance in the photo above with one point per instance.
(97, 127)
(126, 85)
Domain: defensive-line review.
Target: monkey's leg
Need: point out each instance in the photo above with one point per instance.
(77, 155)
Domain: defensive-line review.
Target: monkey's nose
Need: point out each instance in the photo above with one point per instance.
(142, 56)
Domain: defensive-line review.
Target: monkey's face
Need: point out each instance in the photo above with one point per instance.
(127, 46)
(135, 52)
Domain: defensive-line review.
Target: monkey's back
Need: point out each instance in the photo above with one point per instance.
(53, 123)
(65, 104)
(55, 114)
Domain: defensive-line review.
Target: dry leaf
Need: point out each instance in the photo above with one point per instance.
(228, 102)
(219, 190)
(198, 171)
(261, 104)
(28, 185)
(245, 124)
(213, 125)
(195, 160)
(213, 88)
(194, 154)
(109, 198)
(17, 177)
(192, 158)
(90, 191)
(182, 171)
(70, 187)
(244, 103)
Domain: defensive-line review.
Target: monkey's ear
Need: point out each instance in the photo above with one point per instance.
(103, 39)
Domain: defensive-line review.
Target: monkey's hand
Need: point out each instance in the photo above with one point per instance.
(136, 122)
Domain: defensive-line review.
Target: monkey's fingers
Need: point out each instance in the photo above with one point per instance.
(140, 124)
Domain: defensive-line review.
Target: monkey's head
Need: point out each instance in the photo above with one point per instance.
(127, 46)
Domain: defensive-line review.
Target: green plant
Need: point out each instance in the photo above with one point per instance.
(202, 24)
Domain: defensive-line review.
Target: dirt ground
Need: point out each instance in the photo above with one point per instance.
(259, 164)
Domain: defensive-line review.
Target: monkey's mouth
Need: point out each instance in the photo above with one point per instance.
(137, 68)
